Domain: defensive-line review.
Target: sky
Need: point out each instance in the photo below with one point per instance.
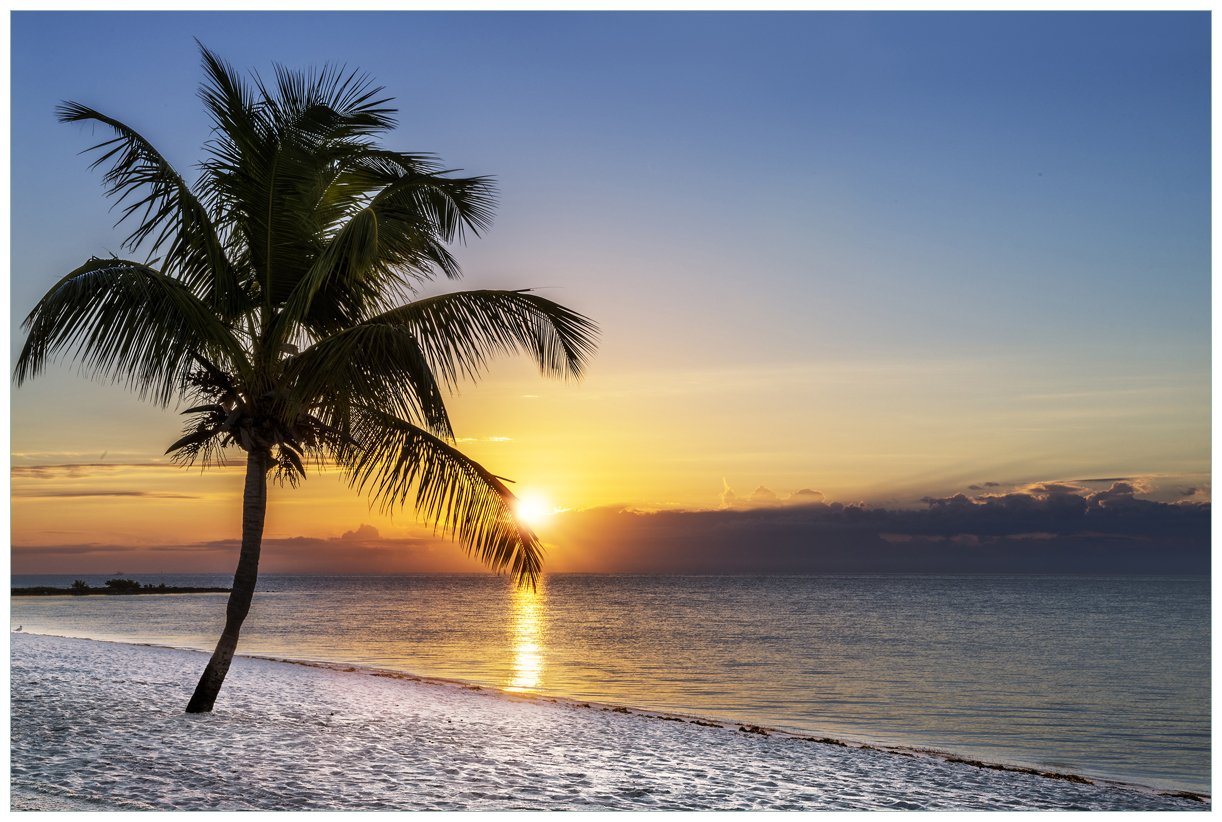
(933, 267)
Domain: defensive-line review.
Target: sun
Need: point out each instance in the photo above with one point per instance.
(533, 509)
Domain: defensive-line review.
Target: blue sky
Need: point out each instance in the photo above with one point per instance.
(879, 255)
(1004, 170)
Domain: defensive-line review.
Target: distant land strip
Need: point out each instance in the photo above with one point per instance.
(113, 587)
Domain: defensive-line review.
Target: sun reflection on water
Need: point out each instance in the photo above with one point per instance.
(527, 639)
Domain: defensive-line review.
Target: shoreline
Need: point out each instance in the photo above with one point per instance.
(724, 724)
(735, 727)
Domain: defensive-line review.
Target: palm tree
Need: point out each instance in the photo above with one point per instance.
(278, 299)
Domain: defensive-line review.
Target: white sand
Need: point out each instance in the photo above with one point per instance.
(99, 725)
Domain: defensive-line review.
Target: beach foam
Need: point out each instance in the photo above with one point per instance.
(100, 725)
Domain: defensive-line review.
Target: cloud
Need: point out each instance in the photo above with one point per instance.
(363, 532)
(26, 551)
(1052, 489)
(1048, 527)
(83, 470)
(1119, 494)
(86, 493)
(763, 497)
(72, 471)
(360, 551)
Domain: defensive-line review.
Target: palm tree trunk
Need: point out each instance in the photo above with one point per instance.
(254, 508)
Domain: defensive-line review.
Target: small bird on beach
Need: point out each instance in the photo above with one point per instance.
(19, 627)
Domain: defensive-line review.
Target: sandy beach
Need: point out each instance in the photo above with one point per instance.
(98, 725)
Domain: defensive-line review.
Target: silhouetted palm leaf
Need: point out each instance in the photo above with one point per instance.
(170, 216)
(390, 458)
(129, 322)
(370, 363)
(460, 332)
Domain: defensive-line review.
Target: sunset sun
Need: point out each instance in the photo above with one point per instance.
(534, 509)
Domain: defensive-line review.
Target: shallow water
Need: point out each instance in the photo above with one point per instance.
(1107, 677)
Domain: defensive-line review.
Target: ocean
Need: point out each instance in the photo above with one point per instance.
(1106, 677)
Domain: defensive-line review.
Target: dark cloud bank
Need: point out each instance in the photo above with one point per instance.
(1048, 528)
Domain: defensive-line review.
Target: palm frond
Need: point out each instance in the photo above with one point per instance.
(252, 177)
(383, 249)
(378, 364)
(203, 439)
(332, 102)
(390, 457)
(454, 204)
(278, 158)
(128, 322)
(461, 331)
(146, 186)
(239, 130)
(358, 175)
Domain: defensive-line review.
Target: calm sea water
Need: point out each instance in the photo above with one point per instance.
(1107, 677)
